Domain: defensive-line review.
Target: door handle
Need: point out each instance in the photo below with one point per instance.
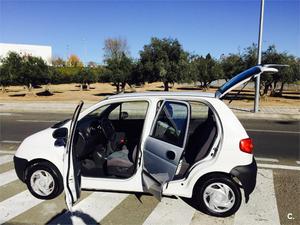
(171, 155)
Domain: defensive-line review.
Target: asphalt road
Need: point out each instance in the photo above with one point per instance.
(272, 139)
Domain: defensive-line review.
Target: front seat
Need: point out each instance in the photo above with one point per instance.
(121, 163)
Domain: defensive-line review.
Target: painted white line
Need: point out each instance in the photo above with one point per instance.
(5, 114)
(262, 207)
(16, 205)
(91, 209)
(201, 218)
(38, 121)
(7, 152)
(171, 211)
(8, 177)
(10, 142)
(274, 131)
(6, 158)
(276, 166)
(298, 162)
(266, 159)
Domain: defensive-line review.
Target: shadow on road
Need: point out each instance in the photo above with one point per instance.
(65, 217)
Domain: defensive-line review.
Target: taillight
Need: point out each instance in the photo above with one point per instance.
(246, 145)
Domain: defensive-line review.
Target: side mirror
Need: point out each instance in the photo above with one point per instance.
(60, 133)
(124, 115)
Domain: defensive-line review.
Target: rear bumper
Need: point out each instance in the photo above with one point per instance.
(20, 166)
(247, 176)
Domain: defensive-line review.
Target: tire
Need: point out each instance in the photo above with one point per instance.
(44, 181)
(217, 196)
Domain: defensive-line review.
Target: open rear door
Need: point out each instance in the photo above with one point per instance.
(165, 145)
(72, 176)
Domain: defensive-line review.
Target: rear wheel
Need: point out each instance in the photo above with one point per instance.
(44, 181)
(218, 196)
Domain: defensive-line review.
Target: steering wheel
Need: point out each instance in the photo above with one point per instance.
(107, 129)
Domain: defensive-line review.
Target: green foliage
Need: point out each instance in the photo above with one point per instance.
(205, 70)
(34, 71)
(119, 70)
(10, 69)
(119, 66)
(164, 60)
(232, 65)
(26, 70)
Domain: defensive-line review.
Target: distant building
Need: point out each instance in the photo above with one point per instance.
(43, 51)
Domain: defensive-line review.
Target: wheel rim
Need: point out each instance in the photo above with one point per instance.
(42, 182)
(219, 197)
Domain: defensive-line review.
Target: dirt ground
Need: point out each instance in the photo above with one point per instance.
(98, 91)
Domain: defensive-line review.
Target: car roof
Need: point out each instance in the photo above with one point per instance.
(162, 94)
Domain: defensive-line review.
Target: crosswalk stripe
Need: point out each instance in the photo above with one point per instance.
(16, 205)
(8, 177)
(201, 218)
(262, 207)
(6, 158)
(91, 209)
(171, 211)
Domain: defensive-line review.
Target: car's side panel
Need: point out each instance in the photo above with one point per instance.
(228, 156)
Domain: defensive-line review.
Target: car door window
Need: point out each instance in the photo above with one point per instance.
(171, 123)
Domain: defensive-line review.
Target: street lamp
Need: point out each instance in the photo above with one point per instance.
(257, 83)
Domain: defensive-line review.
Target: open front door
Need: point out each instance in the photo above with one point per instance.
(72, 176)
(165, 145)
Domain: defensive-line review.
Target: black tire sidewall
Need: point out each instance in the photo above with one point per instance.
(58, 182)
(225, 180)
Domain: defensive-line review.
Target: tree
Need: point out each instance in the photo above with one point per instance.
(10, 69)
(232, 65)
(74, 61)
(205, 70)
(164, 60)
(118, 63)
(92, 64)
(58, 62)
(85, 76)
(250, 56)
(115, 48)
(120, 70)
(34, 71)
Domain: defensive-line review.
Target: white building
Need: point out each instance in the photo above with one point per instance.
(43, 51)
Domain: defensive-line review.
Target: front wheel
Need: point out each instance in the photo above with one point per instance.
(44, 181)
(218, 196)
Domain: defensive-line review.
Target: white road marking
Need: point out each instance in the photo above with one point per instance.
(298, 162)
(262, 207)
(171, 211)
(274, 131)
(7, 152)
(276, 166)
(201, 218)
(38, 121)
(10, 142)
(7, 177)
(91, 209)
(266, 159)
(5, 114)
(16, 205)
(6, 158)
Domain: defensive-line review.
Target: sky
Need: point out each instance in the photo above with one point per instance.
(216, 26)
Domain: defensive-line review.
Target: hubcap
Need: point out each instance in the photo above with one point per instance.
(219, 197)
(42, 182)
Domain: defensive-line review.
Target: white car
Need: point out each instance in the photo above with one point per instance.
(182, 144)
